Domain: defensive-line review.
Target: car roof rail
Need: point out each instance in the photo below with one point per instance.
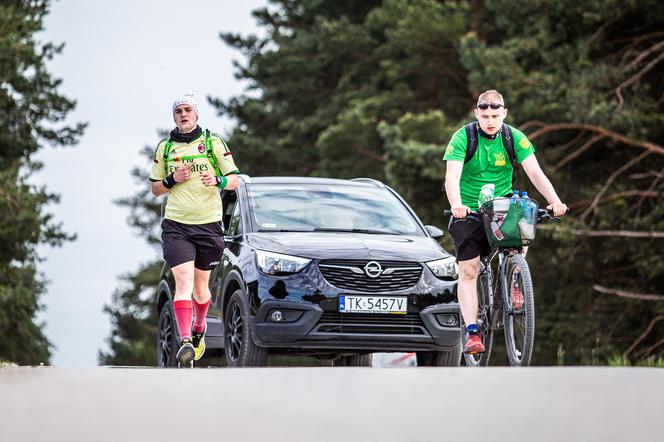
(369, 180)
(245, 178)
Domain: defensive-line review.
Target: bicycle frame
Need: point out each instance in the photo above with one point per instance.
(501, 281)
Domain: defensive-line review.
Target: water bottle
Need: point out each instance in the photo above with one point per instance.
(527, 223)
(486, 194)
(531, 207)
(525, 203)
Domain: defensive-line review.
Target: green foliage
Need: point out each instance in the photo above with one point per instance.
(413, 160)
(617, 360)
(32, 109)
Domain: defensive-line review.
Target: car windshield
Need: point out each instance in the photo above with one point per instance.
(334, 208)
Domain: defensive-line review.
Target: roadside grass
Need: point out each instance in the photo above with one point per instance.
(618, 360)
(594, 358)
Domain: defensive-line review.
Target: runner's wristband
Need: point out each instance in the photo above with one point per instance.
(169, 181)
(221, 181)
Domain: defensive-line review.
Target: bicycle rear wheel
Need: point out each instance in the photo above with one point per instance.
(483, 322)
(519, 311)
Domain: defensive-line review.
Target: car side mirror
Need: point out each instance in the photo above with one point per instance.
(434, 232)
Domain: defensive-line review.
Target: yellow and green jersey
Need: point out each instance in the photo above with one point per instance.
(490, 164)
(191, 202)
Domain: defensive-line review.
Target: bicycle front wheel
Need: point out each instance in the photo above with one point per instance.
(518, 311)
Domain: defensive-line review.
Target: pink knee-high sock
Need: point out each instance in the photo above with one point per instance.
(201, 313)
(183, 315)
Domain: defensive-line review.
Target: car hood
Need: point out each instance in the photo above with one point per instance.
(327, 245)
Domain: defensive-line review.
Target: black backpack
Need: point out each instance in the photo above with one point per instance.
(472, 134)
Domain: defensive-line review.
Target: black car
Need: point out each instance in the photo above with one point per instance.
(332, 268)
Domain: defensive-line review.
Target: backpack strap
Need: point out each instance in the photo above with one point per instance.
(471, 137)
(508, 144)
(167, 150)
(210, 153)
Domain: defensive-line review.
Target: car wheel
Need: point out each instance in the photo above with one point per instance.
(167, 337)
(356, 360)
(240, 348)
(450, 358)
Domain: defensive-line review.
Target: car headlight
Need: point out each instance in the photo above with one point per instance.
(276, 263)
(445, 268)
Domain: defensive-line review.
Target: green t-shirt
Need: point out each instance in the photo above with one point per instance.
(191, 202)
(490, 164)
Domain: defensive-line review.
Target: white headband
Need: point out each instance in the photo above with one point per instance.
(187, 98)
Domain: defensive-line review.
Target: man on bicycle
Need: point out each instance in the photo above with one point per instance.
(464, 179)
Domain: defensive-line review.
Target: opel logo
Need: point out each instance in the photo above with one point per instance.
(373, 269)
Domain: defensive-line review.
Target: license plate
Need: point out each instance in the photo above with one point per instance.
(373, 304)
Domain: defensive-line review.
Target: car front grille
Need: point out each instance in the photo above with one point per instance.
(379, 324)
(350, 275)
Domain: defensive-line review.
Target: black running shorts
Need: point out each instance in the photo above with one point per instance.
(470, 240)
(201, 243)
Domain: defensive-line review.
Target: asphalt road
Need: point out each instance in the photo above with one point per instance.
(331, 404)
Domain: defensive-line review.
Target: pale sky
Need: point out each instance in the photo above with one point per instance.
(124, 62)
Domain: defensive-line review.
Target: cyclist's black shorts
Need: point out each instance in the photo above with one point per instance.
(201, 243)
(470, 240)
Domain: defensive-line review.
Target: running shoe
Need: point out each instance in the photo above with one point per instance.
(198, 341)
(186, 354)
(474, 344)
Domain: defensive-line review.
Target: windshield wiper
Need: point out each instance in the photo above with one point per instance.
(369, 231)
(283, 230)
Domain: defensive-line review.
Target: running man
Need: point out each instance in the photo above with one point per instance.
(191, 165)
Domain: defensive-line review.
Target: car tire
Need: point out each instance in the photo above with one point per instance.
(450, 358)
(167, 337)
(356, 360)
(240, 349)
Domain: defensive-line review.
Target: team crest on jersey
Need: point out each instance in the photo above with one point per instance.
(201, 148)
(500, 159)
(524, 143)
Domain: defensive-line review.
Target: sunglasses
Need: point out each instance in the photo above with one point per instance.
(484, 106)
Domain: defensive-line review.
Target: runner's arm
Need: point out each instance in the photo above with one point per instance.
(158, 171)
(233, 182)
(158, 188)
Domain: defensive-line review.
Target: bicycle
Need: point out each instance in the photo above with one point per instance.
(511, 304)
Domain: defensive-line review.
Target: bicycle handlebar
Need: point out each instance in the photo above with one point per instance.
(543, 215)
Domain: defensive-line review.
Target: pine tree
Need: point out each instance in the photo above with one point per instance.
(32, 111)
